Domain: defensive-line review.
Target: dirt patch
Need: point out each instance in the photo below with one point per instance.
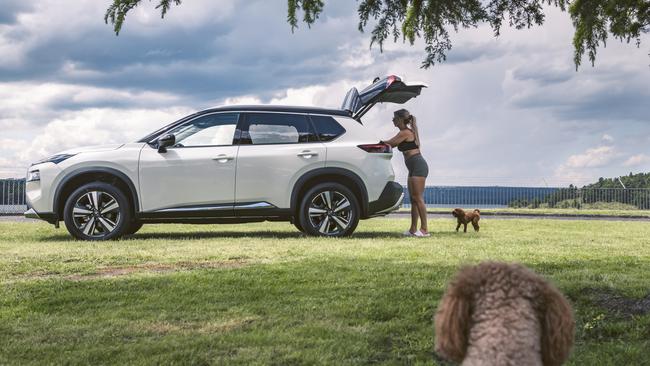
(619, 304)
(104, 272)
(163, 328)
(117, 271)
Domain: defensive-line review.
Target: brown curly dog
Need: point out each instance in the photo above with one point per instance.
(503, 314)
(465, 218)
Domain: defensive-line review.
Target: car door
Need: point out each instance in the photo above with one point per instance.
(196, 175)
(275, 150)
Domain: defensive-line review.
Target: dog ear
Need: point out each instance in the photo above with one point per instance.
(558, 326)
(453, 318)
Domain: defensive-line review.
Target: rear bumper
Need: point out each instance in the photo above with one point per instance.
(389, 200)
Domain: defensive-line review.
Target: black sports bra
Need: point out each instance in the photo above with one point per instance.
(407, 145)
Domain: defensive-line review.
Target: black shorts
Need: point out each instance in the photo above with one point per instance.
(417, 166)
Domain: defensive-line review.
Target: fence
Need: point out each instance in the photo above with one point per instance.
(536, 197)
(12, 200)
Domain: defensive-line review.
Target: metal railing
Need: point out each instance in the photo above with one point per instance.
(12, 197)
(535, 197)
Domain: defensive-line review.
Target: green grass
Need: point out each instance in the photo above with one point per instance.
(263, 294)
(550, 211)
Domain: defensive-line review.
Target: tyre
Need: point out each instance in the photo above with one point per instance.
(329, 209)
(133, 227)
(296, 223)
(97, 211)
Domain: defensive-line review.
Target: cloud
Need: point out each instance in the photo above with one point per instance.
(607, 138)
(613, 91)
(636, 160)
(206, 50)
(96, 126)
(11, 9)
(27, 103)
(592, 158)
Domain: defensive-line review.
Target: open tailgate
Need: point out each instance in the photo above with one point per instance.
(390, 89)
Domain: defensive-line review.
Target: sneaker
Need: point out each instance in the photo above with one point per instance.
(420, 234)
(409, 233)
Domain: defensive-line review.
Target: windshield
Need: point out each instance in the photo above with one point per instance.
(155, 134)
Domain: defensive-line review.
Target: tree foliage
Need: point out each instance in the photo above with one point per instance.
(116, 12)
(433, 20)
(639, 180)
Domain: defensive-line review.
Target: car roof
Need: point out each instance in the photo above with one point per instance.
(249, 108)
(278, 108)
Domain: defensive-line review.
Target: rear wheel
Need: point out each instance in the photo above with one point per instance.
(329, 209)
(296, 223)
(97, 211)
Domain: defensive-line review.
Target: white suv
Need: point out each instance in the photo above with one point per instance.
(321, 169)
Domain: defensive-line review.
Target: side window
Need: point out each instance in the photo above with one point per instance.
(327, 128)
(209, 130)
(276, 128)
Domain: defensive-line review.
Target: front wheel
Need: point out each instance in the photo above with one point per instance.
(97, 211)
(329, 209)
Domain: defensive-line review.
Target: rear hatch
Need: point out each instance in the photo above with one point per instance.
(390, 89)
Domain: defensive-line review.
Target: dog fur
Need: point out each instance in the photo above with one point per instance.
(465, 218)
(503, 314)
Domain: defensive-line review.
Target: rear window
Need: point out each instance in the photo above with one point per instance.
(276, 128)
(327, 129)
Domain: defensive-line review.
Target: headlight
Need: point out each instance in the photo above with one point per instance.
(34, 175)
(55, 159)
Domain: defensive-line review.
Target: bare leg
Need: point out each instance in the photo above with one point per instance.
(414, 208)
(417, 184)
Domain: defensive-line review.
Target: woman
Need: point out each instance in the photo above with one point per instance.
(407, 141)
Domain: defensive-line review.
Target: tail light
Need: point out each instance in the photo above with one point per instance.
(391, 79)
(380, 148)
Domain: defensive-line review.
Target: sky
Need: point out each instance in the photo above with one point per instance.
(510, 110)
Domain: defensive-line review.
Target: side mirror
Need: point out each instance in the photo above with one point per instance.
(166, 140)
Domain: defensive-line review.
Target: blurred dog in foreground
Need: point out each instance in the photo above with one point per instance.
(503, 314)
(465, 218)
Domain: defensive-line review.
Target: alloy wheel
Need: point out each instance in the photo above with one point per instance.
(330, 212)
(96, 214)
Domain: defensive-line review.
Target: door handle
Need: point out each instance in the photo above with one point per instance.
(223, 158)
(307, 154)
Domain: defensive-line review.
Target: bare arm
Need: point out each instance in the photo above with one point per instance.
(397, 139)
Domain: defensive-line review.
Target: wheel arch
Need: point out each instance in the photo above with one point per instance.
(86, 175)
(337, 175)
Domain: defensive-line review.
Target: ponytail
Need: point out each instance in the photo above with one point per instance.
(414, 127)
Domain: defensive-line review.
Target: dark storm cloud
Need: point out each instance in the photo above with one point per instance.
(250, 52)
(606, 95)
(253, 51)
(9, 10)
(467, 52)
(544, 75)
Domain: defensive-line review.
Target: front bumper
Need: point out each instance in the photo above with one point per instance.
(47, 216)
(390, 200)
(31, 214)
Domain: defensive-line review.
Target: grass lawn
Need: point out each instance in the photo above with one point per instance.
(264, 294)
